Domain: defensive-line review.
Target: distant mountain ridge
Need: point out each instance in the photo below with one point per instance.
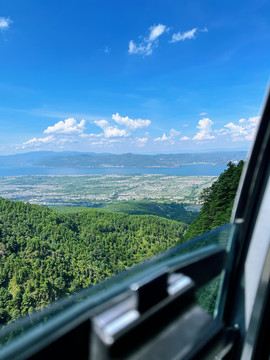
(94, 160)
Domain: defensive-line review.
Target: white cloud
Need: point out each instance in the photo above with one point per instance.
(97, 143)
(129, 123)
(191, 34)
(245, 131)
(106, 142)
(4, 23)
(205, 130)
(90, 136)
(51, 139)
(235, 130)
(254, 121)
(156, 31)
(141, 141)
(111, 131)
(133, 48)
(141, 49)
(149, 43)
(170, 139)
(185, 138)
(62, 133)
(203, 113)
(69, 126)
(70, 131)
(204, 29)
(162, 138)
(37, 142)
(102, 123)
(187, 35)
(221, 132)
(174, 133)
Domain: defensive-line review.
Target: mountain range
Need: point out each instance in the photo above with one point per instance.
(94, 160)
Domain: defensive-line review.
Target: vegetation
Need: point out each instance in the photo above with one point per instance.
(218, 201)
(45, 255)
(172, 210)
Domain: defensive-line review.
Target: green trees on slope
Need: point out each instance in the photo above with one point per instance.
(217, 201)
(45, 256)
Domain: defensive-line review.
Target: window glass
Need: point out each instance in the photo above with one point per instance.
(124, 130)
(105, 291)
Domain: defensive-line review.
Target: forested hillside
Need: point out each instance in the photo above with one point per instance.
(45, 255)
(172, 210)
(218, 201)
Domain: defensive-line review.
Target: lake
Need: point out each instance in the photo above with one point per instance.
(184, 170)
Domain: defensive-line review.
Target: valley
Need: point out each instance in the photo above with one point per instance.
(100, 190)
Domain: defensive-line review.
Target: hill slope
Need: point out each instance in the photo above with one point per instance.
(172, 211)
(218, 201)
(45, 255)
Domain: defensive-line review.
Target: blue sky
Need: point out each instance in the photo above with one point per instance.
(144, 76)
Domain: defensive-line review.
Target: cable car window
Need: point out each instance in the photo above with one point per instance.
(133, 178)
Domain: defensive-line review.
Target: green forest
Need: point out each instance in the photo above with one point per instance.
(218, 201)
(172, 210)
(45, 255)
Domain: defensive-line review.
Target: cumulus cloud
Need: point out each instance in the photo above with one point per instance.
(141, 141)
(90, 136)
(62, 133)
(69, 126)
(254, 121)
(110, 131)
(205, 131)
(38, 142)
(129, 123)
(4, 23)
(48, 140)
(184, 138)
(187, 35)
(72, 131)
(162, 138)
(101, 123)
(170, 138)
(244, 130)
(149, 43)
